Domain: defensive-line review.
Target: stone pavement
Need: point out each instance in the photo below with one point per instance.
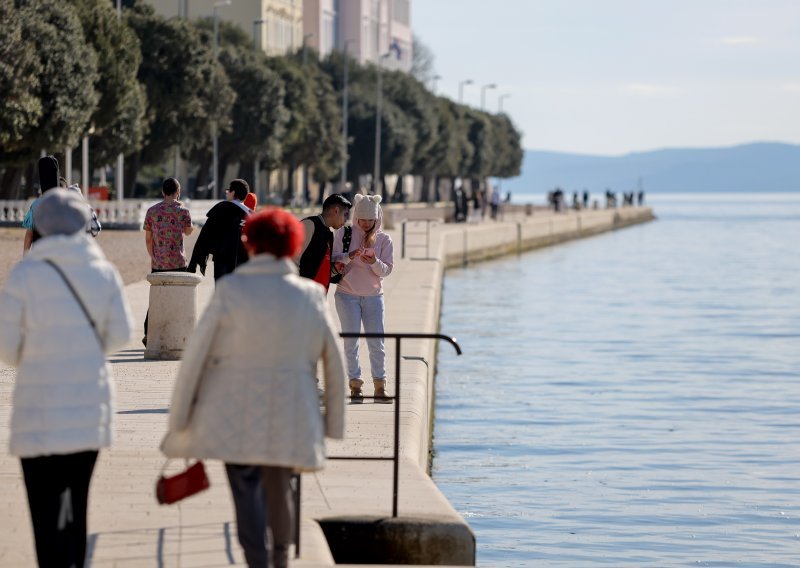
(128, 528)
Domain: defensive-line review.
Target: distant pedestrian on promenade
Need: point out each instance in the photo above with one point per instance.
(246, 391)
(165, 225)
(221, 236)
(495, 203)
(359, 295)
(61, 312)
(315, 253)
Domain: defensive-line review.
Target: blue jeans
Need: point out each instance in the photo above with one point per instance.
(353, 310)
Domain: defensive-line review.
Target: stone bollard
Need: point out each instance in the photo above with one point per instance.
(172, 315)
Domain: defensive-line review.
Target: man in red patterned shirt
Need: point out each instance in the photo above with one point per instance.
(165, 225)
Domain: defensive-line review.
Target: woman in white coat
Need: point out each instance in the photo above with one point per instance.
(246, 392)
(62, 402)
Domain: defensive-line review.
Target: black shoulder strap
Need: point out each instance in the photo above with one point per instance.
(78, 298)
(346, 238)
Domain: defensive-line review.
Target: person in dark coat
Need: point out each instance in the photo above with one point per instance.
(221, 236)
(314, 257)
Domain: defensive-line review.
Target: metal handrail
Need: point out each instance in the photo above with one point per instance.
(396, 455)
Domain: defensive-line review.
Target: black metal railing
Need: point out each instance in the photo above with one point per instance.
(395, 457)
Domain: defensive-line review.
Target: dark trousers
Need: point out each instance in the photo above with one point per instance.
(147, 315)
(58, 495)
(263, 498)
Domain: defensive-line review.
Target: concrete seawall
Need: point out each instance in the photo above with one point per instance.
(427, 530)
(346, 508)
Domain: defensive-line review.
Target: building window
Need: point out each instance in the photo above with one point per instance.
(402, 12)
(329, 38)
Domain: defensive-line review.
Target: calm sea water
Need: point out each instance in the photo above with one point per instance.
(634, 398)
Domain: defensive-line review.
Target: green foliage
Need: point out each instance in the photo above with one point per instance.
(397, 135)
(187, 89)
(147, 84)
(258, 116)
(481, 136)
(20, 68)
(64, 86)
(508, 147)
(419, 108)
(313, 131)
(118, 117)
(451, 146)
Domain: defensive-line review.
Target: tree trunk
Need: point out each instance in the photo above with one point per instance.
(10, 184)
(246, 173)
(288, 195)
(223, 162)
(398, 196)
(201, 179)
(425, 192)
(28, 173)
(306, 190)
(132, 164)
(321, 196)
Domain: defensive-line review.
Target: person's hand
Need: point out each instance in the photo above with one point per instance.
(368, 256)
(339, 266)
(355, 253)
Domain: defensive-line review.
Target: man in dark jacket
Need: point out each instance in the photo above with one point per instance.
(314, 259)
(221, 235)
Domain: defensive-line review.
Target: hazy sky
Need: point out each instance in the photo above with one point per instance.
(616, 76)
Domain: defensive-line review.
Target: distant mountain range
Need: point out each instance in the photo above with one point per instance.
(758, 167)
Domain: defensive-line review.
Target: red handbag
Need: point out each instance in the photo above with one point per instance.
(182, 485)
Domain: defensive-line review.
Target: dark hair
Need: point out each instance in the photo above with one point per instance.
(336, 199)
(275, 231)
(240, 188)
(48, 172)
(170, 186)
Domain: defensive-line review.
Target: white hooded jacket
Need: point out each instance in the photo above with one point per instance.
(359, 277)
(63, 396)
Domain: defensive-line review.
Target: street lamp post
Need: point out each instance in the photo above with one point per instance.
(345, 110)
(500, 102)
(256, 161)
(435, 79)
(305, 38)
(483, 93)
(378, 115)
(214, 134)
(118, 180)
(461, 89)
(257, 23)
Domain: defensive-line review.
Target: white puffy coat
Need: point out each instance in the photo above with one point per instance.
(63, 396)
(246, 391)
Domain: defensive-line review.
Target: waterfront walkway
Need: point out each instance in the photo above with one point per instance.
(128, 528)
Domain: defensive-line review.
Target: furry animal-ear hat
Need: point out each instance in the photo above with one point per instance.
(367, 207)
